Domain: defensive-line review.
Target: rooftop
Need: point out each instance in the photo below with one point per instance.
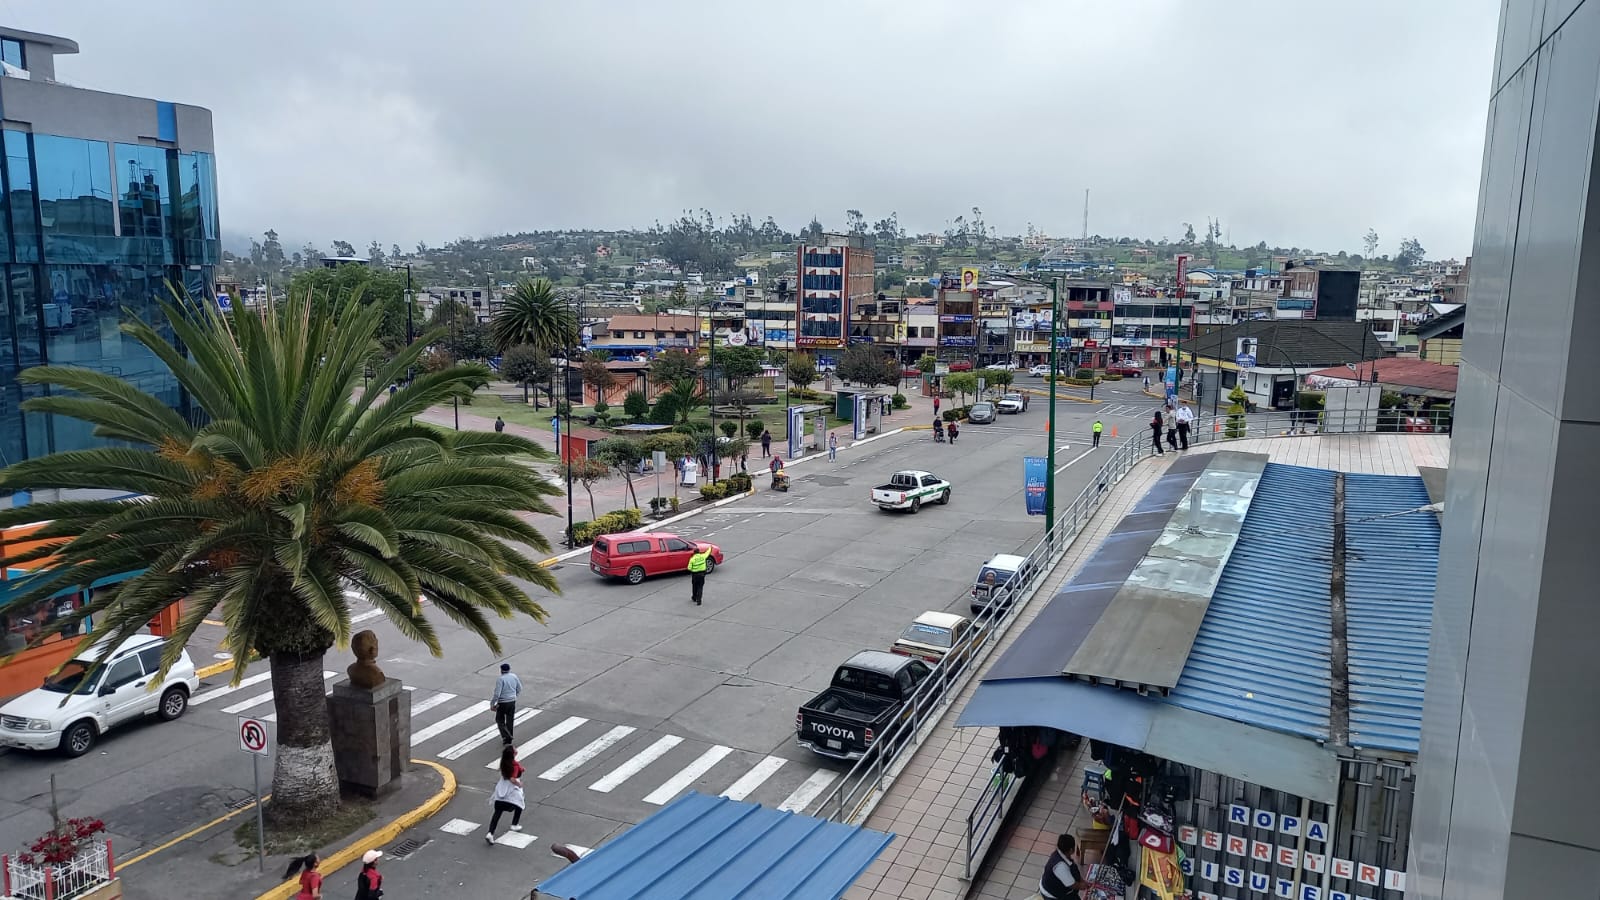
(1402, 372)
(1294, 343)
(653, 323)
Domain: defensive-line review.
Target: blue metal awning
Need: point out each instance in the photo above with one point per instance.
(713, 848)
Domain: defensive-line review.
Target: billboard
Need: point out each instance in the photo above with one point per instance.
(970, 276)
(1035, 475)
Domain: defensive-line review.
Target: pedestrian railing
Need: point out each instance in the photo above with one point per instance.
(852, 795)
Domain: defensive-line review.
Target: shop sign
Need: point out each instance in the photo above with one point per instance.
(1247, 852)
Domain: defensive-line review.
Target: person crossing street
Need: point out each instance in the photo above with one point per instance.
(504, 701)
(1098, 427)
(699, 563)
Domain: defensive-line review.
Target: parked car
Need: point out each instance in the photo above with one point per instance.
(1001, 570)
(931, 637)
(981, 413)
(910, 489)
(961, 365)
(1011, 404)
(868, 694)
(1126, 370)
(636, 555)
(1043, 371)
(93, 693)
(1019, 396)
(1001, 367)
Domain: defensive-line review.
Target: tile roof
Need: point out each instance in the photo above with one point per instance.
(1294, 343)
(1404, 372)
(653, 323)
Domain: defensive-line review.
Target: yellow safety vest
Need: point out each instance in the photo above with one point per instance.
(697, 562)
(1098, 428)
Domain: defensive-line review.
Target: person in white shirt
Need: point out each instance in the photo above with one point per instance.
(1185, 420)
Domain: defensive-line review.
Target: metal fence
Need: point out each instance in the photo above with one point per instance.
(91, 868)
(849, 799)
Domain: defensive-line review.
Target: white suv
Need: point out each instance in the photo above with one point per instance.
(74, 707)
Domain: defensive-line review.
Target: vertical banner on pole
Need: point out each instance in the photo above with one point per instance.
(858, 415)
(1035, 473)
(797, 428)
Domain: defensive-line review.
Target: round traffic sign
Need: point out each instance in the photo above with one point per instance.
(252, 735)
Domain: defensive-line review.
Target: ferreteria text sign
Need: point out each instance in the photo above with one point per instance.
(1244, 858)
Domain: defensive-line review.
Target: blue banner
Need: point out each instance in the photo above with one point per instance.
(1035, 473)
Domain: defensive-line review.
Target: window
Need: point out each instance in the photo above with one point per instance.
(144, 204)
(11, 50)
(930, 480)
(927, 634)
(123, 671)
(197, 223)
(19, 185)
(75, 192)
(617, 335)
(633, 547)
(660, 335)
(638, 335)
(151, 658)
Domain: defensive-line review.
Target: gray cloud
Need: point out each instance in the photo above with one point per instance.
(1300, 123)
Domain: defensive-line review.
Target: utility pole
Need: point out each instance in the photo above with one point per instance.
(566, 389)
(1050, 451)
(1086, 214)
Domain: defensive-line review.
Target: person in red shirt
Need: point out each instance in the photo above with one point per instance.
(369, 883)
(507, 796)
(310, 878)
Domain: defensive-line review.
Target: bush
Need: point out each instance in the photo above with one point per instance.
(730, 429)
(564, 408)
(898, 401)
(1083, 373)
(739, 483)
(1110, 377)
(754, 428)
(610, 523)
(956, 414)
(636, 405)
(1080, 382)
(600, 407)
(665, 411)
(714, 491)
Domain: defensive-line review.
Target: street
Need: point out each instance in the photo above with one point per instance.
(632, 695)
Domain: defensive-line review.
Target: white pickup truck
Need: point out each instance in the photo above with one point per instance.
(910, 489)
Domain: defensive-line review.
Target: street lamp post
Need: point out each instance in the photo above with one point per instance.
(411, 328)
(1050, 451)
(564, 452)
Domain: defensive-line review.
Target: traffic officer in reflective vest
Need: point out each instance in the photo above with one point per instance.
(698, 564)
(1097, 429)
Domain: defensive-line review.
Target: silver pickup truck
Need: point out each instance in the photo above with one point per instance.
(910, 489)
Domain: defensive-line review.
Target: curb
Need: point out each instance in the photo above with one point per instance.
(346, 855)
(218, 668)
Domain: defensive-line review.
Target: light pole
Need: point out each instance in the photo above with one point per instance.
(1050, 451)
(564, 451)
(411, 328)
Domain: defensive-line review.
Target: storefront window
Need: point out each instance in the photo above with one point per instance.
(20, 195)
(144, 204)
(39, 620)
(76, 211)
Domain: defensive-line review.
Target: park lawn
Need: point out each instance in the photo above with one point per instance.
(489, 403)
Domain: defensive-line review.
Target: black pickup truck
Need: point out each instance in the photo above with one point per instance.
(868, 694)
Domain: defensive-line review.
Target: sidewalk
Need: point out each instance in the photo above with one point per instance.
(926, 807)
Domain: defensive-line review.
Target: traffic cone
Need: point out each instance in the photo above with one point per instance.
(1113, 431)
(1216, 427)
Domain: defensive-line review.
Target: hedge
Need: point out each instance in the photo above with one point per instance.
(610, 523)
(732, 486)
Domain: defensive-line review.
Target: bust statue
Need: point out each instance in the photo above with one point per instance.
(364, 672)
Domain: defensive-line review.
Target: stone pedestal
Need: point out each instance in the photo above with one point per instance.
(371, 732)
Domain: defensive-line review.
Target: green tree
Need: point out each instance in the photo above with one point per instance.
(587, 472)
(525, 364)
(800, 370)
(1369, 243)
(736, 364)
(636, 405)
(288, 500)
(597, 376)
(685, 396)
(1000, 378)
(927, 363)
(962, 383)
(470, 342)
(533, 314)
(673, 366)
(862, 364)
(383, 288)
(1236, 423)
(1411, 254)
(436, 361)
(623, 456)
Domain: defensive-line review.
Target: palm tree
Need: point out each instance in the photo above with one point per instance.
(287, 505)
(686, 397)
(533, 314)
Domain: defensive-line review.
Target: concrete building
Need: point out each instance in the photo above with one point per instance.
(1319, 290)
(109, 199)
(1505, 791)
(834, 276)
(1285, 351)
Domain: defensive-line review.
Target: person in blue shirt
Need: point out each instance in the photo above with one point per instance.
(504, 701)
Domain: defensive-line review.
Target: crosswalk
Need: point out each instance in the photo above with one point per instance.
(651, 769)
(1127, 410)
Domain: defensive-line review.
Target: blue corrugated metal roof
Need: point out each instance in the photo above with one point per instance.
(713, 848)
(1261, 656)
(1391, 564)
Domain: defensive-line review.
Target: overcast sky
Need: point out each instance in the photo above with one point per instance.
(1299, 124)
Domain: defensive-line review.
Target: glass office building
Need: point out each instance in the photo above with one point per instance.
(110, 203)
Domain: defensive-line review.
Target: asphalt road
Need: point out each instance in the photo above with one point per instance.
(632, 694)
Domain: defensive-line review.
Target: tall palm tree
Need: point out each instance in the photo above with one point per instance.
(686, 397)
(291, 502)
(533, 314)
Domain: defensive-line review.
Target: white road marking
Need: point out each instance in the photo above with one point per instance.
(754, 778)
(362, 617)
(459, 826)
(516, 839)
(418, 709)
(808, 792)
(458, 750)
(595, 747)
(1060, 469)
(636, 764)
(259, 699)
(674, 786)
(555, 733)
(447, 723)
(208, 696)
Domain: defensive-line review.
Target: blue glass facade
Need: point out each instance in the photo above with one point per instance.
(91, 229)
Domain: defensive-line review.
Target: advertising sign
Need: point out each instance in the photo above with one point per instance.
(1183, 273)
(797, 427)
(1035, 473)
(858, 416)
(970, 276)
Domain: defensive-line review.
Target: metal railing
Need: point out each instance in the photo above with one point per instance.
(1295, 423)
(988, 811)
(91, 868)
(849, 799)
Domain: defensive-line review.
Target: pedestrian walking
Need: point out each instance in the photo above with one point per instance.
(1155, 432)
(508, 796)
(833, 446)
(699, 564)
(499, 425)
(1098, 427)
(504, 701)
(310, 878)
(392, 388)
(766, 443)
(744, 457)
(1062, 879)
(1185, 421)
(1147, 382)
(369, 881)
(954, 432)
(936, 404)
(1172, 427)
